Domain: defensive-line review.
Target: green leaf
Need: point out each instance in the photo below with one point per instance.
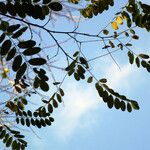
(59, 98)
(2, 37)
(3, 8)
(50, 108)
(44, 86)
(76, 54)
(135, 105)
(37, 61)
(32, 51)
(2, 134)
(106, 32)
(29, 113)
(135, 37)
(129, 108)
(9, 141)
(61, 92)
(48, 122)
(90, 79)
(71, 66)
(22, 122)
(5, 47)
(21, 71)
(46, 1)
(27, 44)
(55, 6)
(11, 54)
(27, 122)
(76, 76)
(131, 57)
(19, 33)
(123, 106)
(117, 103)
(144, 56)
(137, 60)
(24, 101)
(103, 80)
(17, 63)
(14, 145)
(13, 28)
(37, 123)
(110, 102)
(144, 64)
(55, 104)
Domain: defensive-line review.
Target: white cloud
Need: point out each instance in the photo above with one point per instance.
(79, 104)
(118, 78)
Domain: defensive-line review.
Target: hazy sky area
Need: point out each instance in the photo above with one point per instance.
(84, 122)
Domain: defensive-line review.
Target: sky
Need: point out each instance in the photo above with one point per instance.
(83, 121)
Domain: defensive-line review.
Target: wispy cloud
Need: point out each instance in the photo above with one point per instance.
(81, 103)
(118, 78)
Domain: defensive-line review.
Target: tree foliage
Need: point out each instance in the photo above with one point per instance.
(25, 67)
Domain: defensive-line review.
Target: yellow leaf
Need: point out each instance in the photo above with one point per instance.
(124, 17)
(119, 20)
(114, 25)
(6, 70)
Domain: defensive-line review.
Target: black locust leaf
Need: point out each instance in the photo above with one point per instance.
(5, 47)
(19, 33)
(37, 61)
(17, 63)
(21, 71)
(55, 6)
(11, 54)
(27, 44)
(2, 37)
(44, 86)
(13, 28)
(32, 51)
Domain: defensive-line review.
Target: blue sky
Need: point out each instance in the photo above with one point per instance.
(84, 122)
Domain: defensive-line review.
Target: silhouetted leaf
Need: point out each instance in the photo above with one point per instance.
(123, 106)
(17, 63)
(21, 71)
(19, 32)
(103, 80)
(32, 51)
(37, 61)
(117, 103)
(131, 57)
(55, 104)
(59, 98)
(144, 56)
(55, 6)
(50, 108)
(135, 105)
(46, 1)
(27, 44)
(129, 108)
(2, 37)
(13, 28)
(5, 47)
(137, 60)
(11, 54)
(90, 79)
(44, 86)
(9, 141)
